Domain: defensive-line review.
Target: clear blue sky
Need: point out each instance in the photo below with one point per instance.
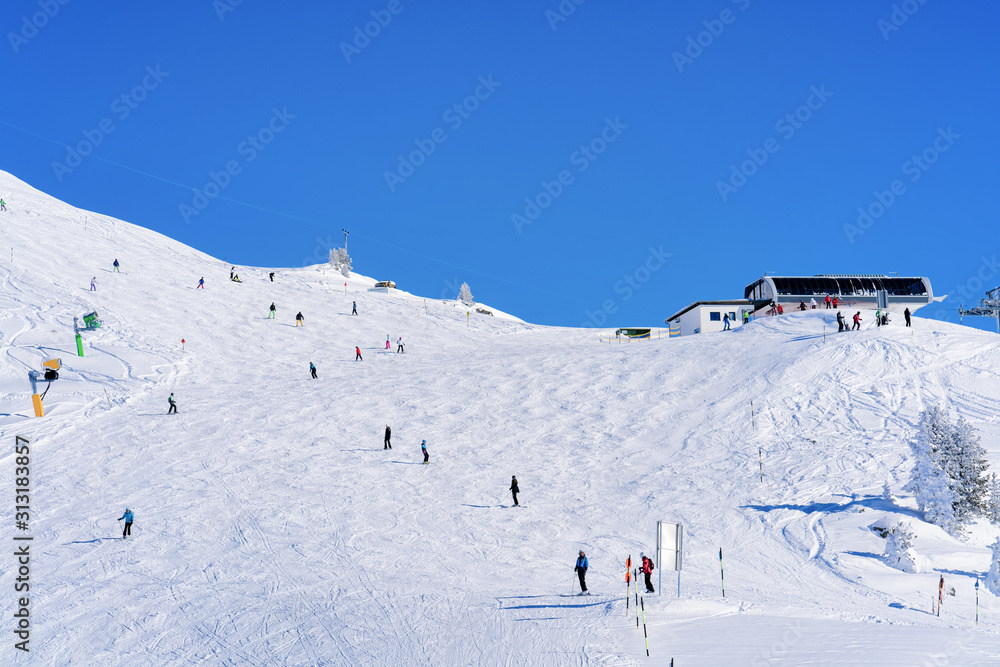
(660, 132)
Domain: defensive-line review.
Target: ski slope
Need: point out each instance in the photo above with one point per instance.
(272, 528)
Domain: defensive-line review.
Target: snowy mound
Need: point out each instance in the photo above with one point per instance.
(273, 527)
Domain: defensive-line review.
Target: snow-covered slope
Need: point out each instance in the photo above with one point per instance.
(273, 528)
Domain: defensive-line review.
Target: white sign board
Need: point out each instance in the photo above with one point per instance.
(669, 544)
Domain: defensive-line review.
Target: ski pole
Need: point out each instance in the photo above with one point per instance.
(722, 572)
(636, 575)
(644, 634)
(977, 602)
(572, 586)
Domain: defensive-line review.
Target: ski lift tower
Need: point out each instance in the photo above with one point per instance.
(988, 307)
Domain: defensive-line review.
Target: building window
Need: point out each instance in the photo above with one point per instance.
(715, 316)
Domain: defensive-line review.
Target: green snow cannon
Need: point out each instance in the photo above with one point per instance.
(90, 320)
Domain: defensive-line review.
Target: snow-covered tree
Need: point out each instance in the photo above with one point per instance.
(339, 259)
(993, 511)
(899, 548)
(992, 580)
(968, 466)
(465, 295)
(949, 474)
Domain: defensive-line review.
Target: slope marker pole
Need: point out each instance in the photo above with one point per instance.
(760, 460)
(722, 571)
(644, 634)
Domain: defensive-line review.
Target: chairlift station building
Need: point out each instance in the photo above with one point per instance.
(852, 290)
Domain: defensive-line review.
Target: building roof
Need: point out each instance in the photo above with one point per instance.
(729, 302)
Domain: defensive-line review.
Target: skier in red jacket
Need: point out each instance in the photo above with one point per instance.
(357, 354)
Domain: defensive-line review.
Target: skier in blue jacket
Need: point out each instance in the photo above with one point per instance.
(581, 569)
(128, 516)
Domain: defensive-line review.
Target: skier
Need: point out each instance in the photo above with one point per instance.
(387, 343)
(231, 269)
(3, 205)
(129, 517)
(354, 308)
(840, 322)
(173, 404)
(878, 318)
(940, 594)
(746, 316)
(581, 571)
(885, 318)
(423, 448)
(388, 434)
(399, 345)
(857, 321)
(93, 284)
(725, 322)
(647, 569)
(514, 490)
(357, 354)
(298, 320)
(272, 276)
(829, 303)
(201, 284)
(906, 314)
(312, 370)
(116, 266)
(272, 313)
(836, 300)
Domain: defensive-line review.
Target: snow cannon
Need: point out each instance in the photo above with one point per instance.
(52, 367)
(91, 321)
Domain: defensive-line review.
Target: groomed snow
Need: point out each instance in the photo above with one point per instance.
(273, 528)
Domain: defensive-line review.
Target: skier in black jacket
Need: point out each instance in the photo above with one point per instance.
(388, 434)
(513, 488)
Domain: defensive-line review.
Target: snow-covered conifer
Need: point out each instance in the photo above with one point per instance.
(993, 512)
(967, 466)
(899, 548)
(929, 481)
(339, 259)
(465, 295)
(992, 580)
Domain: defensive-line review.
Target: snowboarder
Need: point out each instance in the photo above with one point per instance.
(840, 322)
(93, 284)
(423, 448)
(647, 569)
(116, 266)
(388, 345)
(514, 490)
(388, 434)
(725, 322)
(129, 517)
(354, 308)
(201, 284)
(312, 370)
(236, 278)
(857, 321)
(357, 354)
(173, 404)
(3, 205)
(399, 345)
(298, 320)
(272, 312)
(906, 314)
(271, 276)
(581, 570)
